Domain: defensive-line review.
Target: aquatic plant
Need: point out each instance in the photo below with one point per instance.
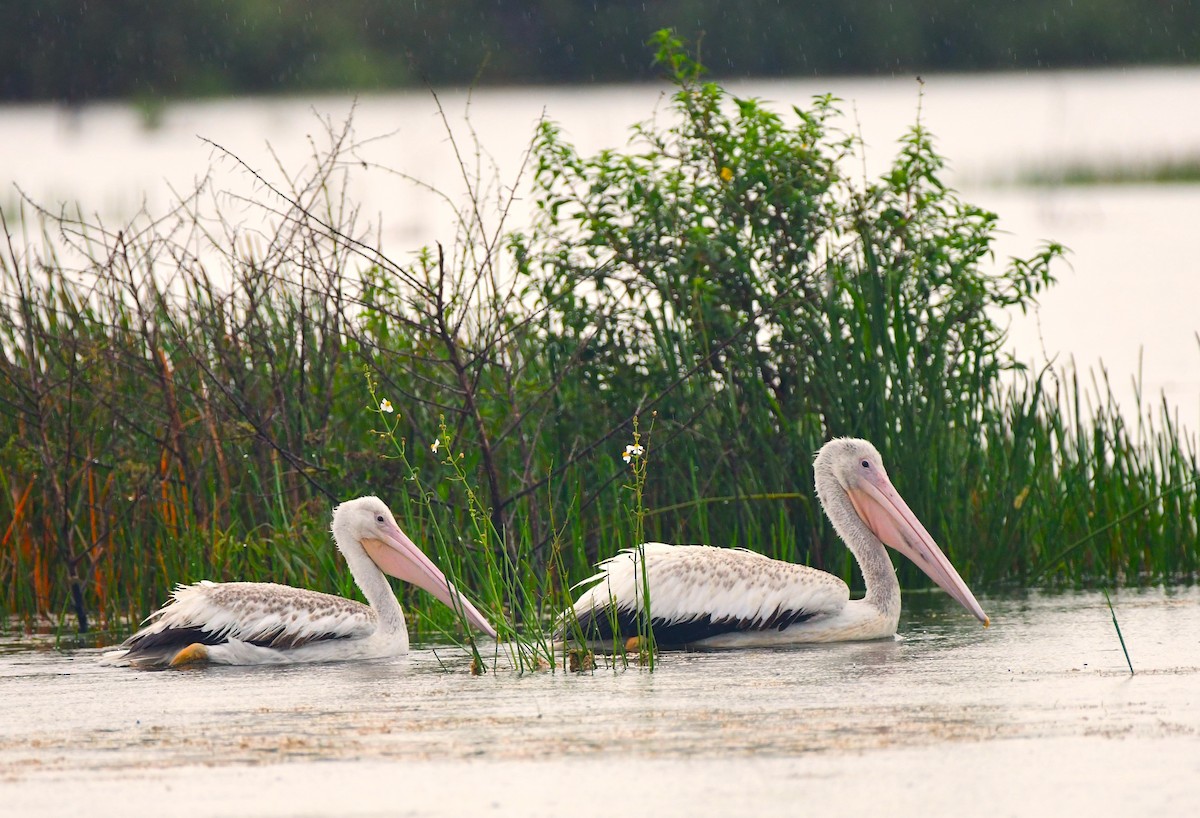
(183, 397)
(1117, 625)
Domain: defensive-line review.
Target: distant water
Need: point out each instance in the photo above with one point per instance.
(1036, 713)
(1131, 290)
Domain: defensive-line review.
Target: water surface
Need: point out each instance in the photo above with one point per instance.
(1038, 709)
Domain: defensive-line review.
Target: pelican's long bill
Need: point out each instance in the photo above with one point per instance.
(398, 556)
(887, 515)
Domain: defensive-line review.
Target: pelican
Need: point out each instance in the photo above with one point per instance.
(261, 623)
(706, 597)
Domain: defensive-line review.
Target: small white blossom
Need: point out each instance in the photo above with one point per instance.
(386, 406)
(433, 447)
(631, 451)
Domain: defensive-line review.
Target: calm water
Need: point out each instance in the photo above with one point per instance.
(1133, 282)
(1037, 711)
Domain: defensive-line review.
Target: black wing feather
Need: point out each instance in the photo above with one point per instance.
(597, 626)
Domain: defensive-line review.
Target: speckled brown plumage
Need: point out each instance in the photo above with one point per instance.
(258, 613)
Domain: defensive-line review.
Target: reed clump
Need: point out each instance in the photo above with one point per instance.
(183, 397)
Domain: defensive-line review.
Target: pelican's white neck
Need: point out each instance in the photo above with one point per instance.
(371, 581)
(879, 575)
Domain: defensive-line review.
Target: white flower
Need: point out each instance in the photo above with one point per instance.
(386, 406)
(433, 447)
(631, 451)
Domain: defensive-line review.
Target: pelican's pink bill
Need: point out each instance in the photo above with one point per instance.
(893, 522)
(401, 558)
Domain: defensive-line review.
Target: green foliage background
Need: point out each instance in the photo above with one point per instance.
(76, 50)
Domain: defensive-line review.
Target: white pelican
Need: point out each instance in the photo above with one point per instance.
(708, 597)
(259, 623)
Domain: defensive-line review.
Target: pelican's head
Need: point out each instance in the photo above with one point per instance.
(362, 518)
(858, 469)
(844, 459)
(369, 522)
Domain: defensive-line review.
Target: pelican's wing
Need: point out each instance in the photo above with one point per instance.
(698, 591)
(261, 613)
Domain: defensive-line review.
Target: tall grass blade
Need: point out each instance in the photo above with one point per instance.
(1112, 611)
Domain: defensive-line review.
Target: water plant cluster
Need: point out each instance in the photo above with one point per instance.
(186, 396)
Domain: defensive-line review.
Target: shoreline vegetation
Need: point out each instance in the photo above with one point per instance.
(1182, 170)
(187, 396)
(74, 51)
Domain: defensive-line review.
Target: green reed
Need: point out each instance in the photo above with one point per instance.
(1117, 626)
(183, 397)
(637, 455)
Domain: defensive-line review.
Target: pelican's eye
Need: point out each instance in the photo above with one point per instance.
(866, 464)
(379, 517)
